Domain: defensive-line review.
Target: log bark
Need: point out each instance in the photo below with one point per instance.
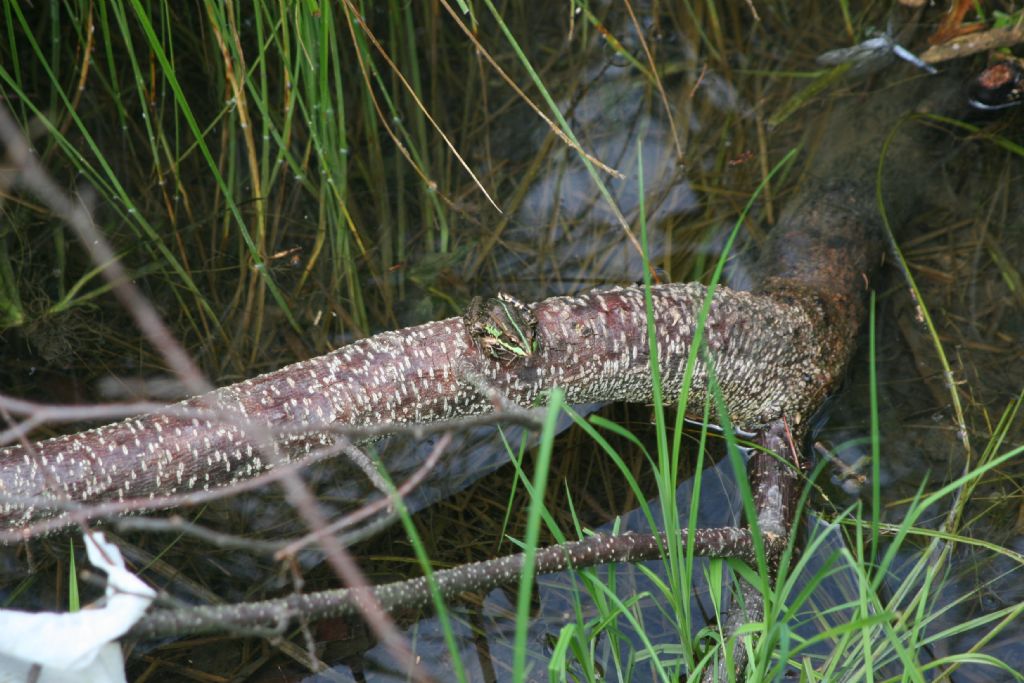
(776, 353)
(269, 616)
(768, 362)
(829, 242)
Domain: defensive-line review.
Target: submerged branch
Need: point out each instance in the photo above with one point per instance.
(273, 615)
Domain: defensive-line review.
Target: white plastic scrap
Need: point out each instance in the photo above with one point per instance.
(81, 646)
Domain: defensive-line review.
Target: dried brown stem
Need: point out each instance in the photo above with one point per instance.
(32, 176)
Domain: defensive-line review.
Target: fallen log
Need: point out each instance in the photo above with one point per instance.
(829, 242)
(776, 353)
(594, 346)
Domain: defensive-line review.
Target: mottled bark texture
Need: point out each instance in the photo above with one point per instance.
(775, 486)
(829, 241)
(776, 353)
(768, 361)
(478, 577)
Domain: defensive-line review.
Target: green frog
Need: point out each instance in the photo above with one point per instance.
(503, 327)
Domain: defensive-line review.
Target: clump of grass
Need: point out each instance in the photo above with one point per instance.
(256, 164)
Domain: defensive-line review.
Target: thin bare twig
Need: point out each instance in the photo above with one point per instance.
(477, 577)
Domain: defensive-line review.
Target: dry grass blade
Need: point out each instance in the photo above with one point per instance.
(412, 93)
(555, 129)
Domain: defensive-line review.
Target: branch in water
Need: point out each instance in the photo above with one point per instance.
(274, 615)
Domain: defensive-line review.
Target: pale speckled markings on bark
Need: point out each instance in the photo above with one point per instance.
(594, 346)
(475, 577)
